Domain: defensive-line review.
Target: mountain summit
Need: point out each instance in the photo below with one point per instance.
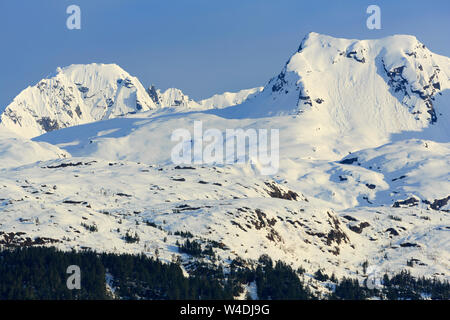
(77, 94)
(392, 83)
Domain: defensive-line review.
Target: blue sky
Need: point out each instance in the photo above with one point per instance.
(200, 46)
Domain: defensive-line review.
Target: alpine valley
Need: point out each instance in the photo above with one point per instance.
(363, 185)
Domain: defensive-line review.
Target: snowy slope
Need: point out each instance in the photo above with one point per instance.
(306, 165)
(177, 101)
(16, 151)
(411, 169)
(228, 99)
(75, 95)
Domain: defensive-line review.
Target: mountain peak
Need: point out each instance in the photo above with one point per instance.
(76, 94)
(385, 85)
(395, 81)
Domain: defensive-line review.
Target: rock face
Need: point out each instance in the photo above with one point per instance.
(76, 95)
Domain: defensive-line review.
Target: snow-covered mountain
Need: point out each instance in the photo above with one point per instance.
(80, 94)
(243, 214)
(76, 95)
(363, 176)
(172, 98)
(176, 100)
(350, 86)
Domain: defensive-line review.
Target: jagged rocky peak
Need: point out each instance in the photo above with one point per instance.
(75, 95)
(171, 98)
(175, 98)
(153, 93)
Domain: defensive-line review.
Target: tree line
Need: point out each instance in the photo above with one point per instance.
(41, 273)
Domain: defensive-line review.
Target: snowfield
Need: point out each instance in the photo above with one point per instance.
(244, 215)
(364, 159)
